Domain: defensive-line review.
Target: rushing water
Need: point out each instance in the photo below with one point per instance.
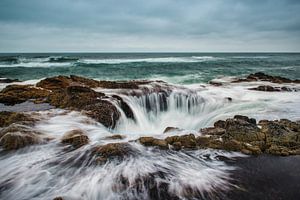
(189, 103)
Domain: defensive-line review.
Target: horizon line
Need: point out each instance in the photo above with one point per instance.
(48, 52)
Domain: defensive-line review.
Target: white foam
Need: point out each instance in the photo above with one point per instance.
(192, 59)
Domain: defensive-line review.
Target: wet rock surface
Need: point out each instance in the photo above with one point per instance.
(240, 133)
(76, 93)
(14, 94)
(260, 76)
(17, 136)
(76, 138)
(111, 151)
(268, 88)
(8, 118)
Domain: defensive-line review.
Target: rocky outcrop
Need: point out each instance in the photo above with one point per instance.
(14, 94)
(170, 129)
(111, 151)
(240, 133)
(115, 137)
(76, 138)
(8, 118)
(75, 93)
(151, 141)
(268, 88)
(17, 136)
(124, 106)
(260, 76)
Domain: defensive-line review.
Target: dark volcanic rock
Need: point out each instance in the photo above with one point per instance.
(260, 76)
(268, 88)
(170, 129)
(241, 134)
(104, 112)
(124, 106)
(75, 93)
(212, 131)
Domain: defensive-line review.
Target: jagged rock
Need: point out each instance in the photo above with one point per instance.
(124, 106)
(288, 124)
(7, 118)
(112, 151)
(170, 129)
(260, 76)
(150, 141)
(186, 141)
(241, 134)
(58, 198)
(75, 97)
(104, 112)
(17, 136)
(212, 131)
(14, 94)
(241, 130)
(245, 118)
(115, 137)
(61, 82)
(219, 124)
(85, 99)
(214, 83)
(76, 138)
(268, 88)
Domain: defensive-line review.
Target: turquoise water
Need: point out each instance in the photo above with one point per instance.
(180, 68)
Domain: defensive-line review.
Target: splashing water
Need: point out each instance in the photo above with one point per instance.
(49, 170)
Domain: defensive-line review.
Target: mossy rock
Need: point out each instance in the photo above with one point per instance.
(150, 141)
(8, 118)
(15, 94)
(76, 138)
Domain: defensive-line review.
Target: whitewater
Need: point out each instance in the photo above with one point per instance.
(47, 171)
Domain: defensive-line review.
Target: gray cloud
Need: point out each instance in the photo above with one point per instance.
(156, 25)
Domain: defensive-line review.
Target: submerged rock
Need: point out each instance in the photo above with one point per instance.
(76, 138)
(115, 137)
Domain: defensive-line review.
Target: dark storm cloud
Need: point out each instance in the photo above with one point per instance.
(133, 25)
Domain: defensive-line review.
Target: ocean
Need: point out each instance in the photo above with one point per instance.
(178, 68)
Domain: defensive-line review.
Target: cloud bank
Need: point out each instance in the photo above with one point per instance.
(156, 25)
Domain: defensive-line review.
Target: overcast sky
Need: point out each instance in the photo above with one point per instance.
(149, 25)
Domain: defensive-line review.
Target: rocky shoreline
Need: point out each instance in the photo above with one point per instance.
(240, 133)
(263, 139)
